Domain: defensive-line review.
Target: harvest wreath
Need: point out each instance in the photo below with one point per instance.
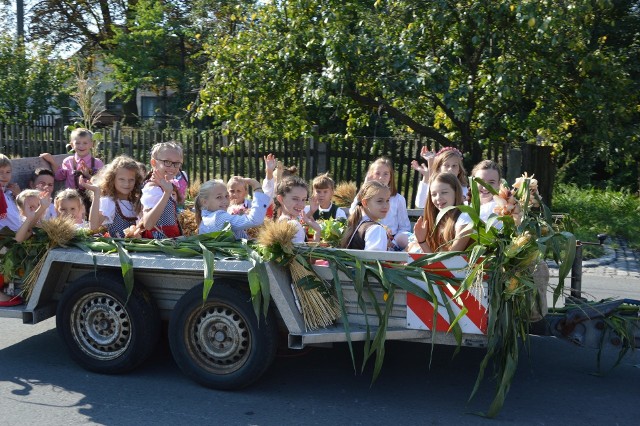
(506, 256)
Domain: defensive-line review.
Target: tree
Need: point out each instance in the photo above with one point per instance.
(158, 50)
(460, 73)
(148, 44)
(31, 80)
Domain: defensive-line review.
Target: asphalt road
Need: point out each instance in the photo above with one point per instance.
(39, 384)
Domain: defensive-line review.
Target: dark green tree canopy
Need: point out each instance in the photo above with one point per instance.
(460, 73)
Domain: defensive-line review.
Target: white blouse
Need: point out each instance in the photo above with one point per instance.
(397, 220)
(108, 209)
(423, 191)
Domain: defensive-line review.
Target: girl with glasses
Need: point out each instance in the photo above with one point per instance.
(159, 209)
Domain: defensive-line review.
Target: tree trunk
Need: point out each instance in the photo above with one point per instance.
(538, 160)
(130, 109)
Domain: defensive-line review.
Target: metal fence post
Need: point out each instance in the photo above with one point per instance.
(576, 272)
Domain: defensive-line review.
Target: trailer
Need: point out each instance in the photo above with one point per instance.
(220, 342)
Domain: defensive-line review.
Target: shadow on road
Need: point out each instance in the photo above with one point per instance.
(553, 386)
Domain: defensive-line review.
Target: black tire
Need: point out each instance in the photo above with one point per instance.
(104, 332)
(220, 344)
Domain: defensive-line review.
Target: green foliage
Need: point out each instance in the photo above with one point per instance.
(157, 49)
(332, 230)
(596, 211)
(456, 72)
(31, 80)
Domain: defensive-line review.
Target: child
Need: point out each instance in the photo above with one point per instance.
(9, 214)
(81, 163)
(488, 171)
(363, 230)
(238, 190)
(159, 209)
(33, 205)
(120, 183)
(182, 183)
(323, 187)
(291, 197)
(452, 232)
(68, 202)
(211, 208)
(449, 160)
(397, 221)
(274, 173)
(44, 180)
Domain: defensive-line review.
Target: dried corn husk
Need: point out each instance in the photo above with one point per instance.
(319, 309)
(194, 189)
(60, 230)
(187, 221)
(345, 193)
(280, 233)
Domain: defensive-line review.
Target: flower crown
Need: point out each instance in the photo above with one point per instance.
(450, 148)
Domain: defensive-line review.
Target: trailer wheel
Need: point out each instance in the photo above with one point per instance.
(103, 331)
(221, 343)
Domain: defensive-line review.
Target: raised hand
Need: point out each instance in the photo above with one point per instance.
(45, 199)
(314, 205)
(426, 154)
(420, 229)
(14, 188)
(270, 162)
(420, 167)
(86, 184)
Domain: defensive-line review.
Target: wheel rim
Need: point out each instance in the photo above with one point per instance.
(101, 326)
(218, 338)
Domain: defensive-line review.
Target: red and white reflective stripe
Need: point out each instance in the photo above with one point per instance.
(420, 312)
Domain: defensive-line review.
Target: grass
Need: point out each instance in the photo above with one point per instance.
(595, 211)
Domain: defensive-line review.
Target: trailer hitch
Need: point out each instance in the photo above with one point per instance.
(584, 324)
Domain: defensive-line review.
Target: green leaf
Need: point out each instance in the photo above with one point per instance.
(126, 265)
(209, 266)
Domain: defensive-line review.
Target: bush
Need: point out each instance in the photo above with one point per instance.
(596, 211)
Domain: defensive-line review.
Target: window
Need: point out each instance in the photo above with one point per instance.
(113, 104)
(148, 106)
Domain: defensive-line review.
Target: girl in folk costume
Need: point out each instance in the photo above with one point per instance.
(120, 208)
(452, 232)
(397, 220)
(291, 196)
(364, 232)
(447, 160)
(159, 208)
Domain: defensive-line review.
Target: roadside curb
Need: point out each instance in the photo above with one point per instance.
(609, 257)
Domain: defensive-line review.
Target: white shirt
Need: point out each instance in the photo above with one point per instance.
(423, 191)
(13, 219)
(50, 213)
(217, 220)
(340, 214)
(269, 187)
(108, 209)
(397, 220)
(375, 237)
(151, 196)
(486, 210)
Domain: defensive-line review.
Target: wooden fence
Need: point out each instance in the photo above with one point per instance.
(210, 154)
